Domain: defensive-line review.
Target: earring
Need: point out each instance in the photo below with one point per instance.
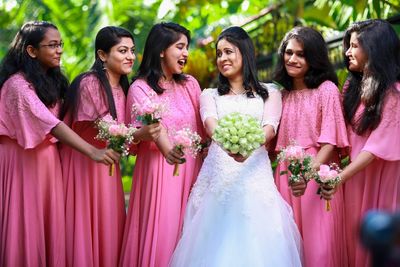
(103, 64)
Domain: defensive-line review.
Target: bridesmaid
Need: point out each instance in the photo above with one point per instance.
(312, 116)
(158, 199)
(95, 206)
(32, 221)
(372, 112)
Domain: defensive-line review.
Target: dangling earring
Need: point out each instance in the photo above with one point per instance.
(104, 67)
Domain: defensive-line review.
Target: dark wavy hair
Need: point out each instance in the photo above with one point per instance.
(49, 84)
(161, 36)
(316, 56)
(239, 38)
(106, 38)
(381, 45)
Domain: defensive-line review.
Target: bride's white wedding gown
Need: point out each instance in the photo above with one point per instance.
(235, 215)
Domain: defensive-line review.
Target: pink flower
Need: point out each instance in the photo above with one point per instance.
(182, 140)
(118, 130)
(324, 170)
(326, 174)
(108, 119)
(294, 152)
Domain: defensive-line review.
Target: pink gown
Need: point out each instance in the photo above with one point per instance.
(32, 222)
(158, 199)
(378, 185)
(311, 117)
(95, 209)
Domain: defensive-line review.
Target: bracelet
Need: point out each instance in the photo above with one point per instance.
(135, 142)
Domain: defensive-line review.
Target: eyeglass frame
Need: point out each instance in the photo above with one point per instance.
(53, 46)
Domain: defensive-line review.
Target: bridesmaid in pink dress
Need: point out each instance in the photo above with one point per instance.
(312, 117)
(372, 111)
(32, 221)
(158, 199)
(95, 206)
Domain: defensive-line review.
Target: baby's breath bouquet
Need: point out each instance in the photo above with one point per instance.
(117, 135)
(186, 141)
(150, 111)
(299, 163)
(239, 134)
(328, 175)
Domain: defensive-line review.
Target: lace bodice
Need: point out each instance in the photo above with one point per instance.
(312, 116)
(23, 116)
(268, 112)
(223, 175)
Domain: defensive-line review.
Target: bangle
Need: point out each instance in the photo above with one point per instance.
(135, 142)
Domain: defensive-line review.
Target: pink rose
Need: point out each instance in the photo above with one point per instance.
(118, 130)
(295, 152)
(108, 119)
(182, 140)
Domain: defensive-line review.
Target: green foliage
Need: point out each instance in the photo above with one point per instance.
(127, 167)
(266, 21)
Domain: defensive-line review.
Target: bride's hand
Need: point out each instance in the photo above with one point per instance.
(237, 157)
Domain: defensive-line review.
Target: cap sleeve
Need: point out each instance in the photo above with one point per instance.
(25, 118)
(333, 126)
(384, 141)
(91, 100)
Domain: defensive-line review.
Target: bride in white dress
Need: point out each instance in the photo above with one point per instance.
(235, 215)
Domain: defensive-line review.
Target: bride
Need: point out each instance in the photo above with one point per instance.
(235, 215)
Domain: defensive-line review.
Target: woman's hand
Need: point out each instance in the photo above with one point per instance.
(327, 192)
(298, 188)
(174, 156)
(105, 156)
(148, 132)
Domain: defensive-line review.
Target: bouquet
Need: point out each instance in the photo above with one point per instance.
(299, 163)
(239, 134)
(186, 141)
(150, 111)
(328, 175)
(118, 136)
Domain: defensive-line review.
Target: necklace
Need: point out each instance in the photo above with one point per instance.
(236, 93)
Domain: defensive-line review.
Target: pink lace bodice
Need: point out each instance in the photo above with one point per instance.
(92, 101)
(182, 103)
(311, 117)
(23, 116)
(215, 106)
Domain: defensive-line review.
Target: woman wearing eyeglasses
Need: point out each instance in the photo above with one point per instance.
(32, 221)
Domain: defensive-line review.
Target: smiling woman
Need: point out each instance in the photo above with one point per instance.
(158, 199)
(95, 209)
(312, 117)
(32, 219)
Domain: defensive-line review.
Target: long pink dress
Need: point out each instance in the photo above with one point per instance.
(311, 117)
(158, 199)
(378, 185)
(32, 222)
(95, 211)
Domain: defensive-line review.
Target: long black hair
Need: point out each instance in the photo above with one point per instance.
(106, 38)
(239, 38)
(161, 36)
(316, 56)
(381, 71)
(49, 84)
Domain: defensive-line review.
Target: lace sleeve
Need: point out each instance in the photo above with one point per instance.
(28, 120)
(272, 107)
(92, 102)
(208, 108)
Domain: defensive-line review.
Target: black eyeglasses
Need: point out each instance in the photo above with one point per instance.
(54, 46)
